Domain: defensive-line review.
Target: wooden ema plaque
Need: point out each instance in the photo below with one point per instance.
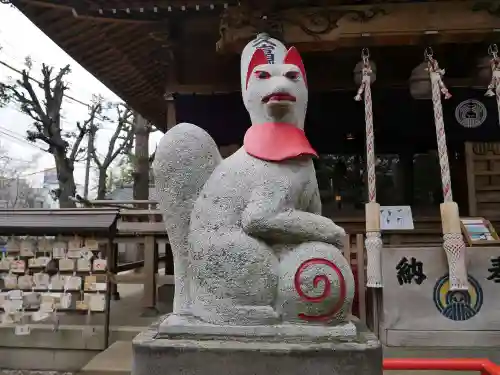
(479, 232)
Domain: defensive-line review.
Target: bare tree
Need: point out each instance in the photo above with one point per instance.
(126, 169)
(4, 98)
(121, 143)
(142, 159)
(15, 190)
(45, 110)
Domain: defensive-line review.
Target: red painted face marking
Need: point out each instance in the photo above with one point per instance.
(293, 76)
(261, 74)
(258, 58)
(293, 57)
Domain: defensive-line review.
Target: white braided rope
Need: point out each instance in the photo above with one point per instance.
(497, 93)
(438, 88)
(494, 86)
(454, 248)
(370, 142)
(373, 242)
(453, 243)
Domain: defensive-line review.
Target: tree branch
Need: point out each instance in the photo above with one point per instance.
(115, 147)
(152, 157)
(88, 126)
(32, 104)
(82, 130)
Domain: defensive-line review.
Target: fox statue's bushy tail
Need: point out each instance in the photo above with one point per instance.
(185, 158)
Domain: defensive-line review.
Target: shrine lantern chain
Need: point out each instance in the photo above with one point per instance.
(453, 242)
(365, 75)
(358, 72)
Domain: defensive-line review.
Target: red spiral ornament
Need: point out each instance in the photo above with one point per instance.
(326, 292)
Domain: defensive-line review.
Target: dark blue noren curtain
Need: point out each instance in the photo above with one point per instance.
(398, 118)
(223, 116)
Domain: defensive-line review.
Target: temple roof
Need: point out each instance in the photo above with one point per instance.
(138, 48)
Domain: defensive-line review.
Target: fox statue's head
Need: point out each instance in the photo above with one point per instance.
(274, 89)
(275, 93)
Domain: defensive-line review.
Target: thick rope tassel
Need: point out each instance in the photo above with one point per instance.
(494, 86)
(373, 242)
(453, 242)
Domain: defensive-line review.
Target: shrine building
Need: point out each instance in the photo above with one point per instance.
(179, 61)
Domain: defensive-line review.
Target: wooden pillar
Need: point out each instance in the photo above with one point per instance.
(171, 114)
(150, 273)
(407, 171)
(471, 179)
(142, 129)
(360, 256)
(171, 81)
(458, 170)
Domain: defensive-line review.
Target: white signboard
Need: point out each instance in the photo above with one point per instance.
(396, 218)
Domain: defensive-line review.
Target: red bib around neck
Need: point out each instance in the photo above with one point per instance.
(277, 142)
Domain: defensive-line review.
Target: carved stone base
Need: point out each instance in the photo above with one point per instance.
(198, 349)
(189, 327)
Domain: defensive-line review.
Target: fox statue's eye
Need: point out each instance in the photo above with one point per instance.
(294, 76)
(262, 74)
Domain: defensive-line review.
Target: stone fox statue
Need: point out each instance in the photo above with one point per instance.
(250, 245)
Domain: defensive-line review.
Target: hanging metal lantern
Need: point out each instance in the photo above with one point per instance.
(483, 72)
(420, 83)
(358, 72)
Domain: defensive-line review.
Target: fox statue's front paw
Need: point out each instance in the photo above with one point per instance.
(315, 285)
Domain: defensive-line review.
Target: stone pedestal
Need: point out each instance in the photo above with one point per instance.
(263, 350)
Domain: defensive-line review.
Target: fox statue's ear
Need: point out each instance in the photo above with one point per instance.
(293, 57)
(258, 58)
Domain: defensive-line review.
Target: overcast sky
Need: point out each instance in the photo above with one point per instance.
(20, 38)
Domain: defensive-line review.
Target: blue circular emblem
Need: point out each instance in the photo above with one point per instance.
(458, 305)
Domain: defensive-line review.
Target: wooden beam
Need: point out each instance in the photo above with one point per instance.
(78, 31)
(115, 20)
(388, 24)
(45, 3)
(86, 39)
(101, 57)
(141, 228)
(110, 52)
(149, 5)
(383, 41)
(313, 86)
